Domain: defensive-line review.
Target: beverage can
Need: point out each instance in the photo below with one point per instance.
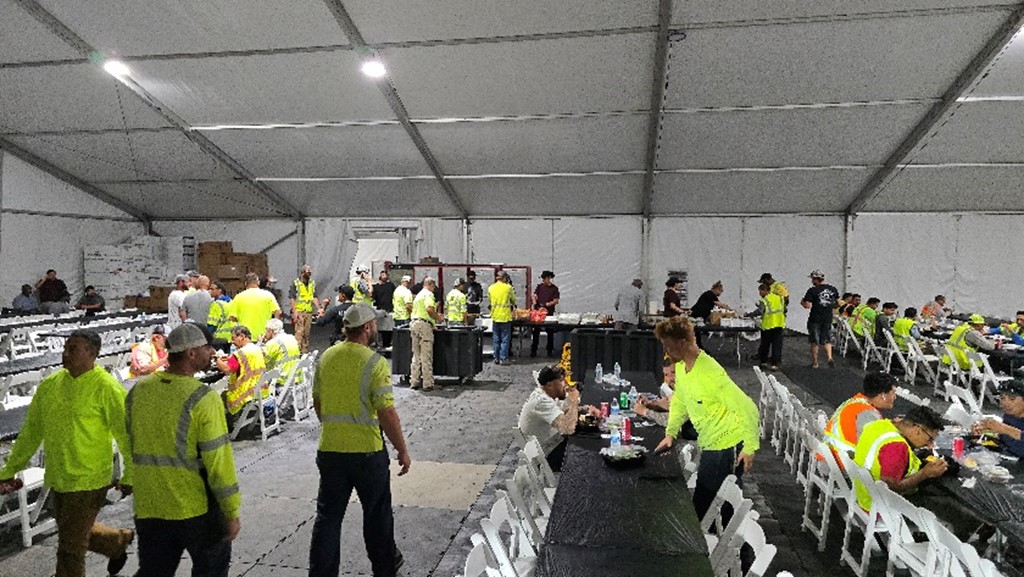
(604, 410)
(624, 401)
(627, 429)
(958, 448)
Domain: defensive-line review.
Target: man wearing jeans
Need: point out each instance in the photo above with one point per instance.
(724, 417)
(503, 299)
(353, 399)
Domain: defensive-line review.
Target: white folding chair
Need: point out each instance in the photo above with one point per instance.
(965, 396)
(535, 453)
(268, 425)
(918, 360)
(749, 533)
(288, 394)
(767, 400)
(832, 485)
(792, 449)
(780, 419)
(520, 541)
(867, 522)
(530, 510)
(903, 518)
(952, 370)
(849, 337)
(508, 567)
(479, 562)
(29, 511)
(718, 533)
(959, 558)
(900, 355)
(249, 414)
(873, 353)
(990, 381)
(906, 394)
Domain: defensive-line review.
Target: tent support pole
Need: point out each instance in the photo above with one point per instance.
(300, 228)
(658, 80)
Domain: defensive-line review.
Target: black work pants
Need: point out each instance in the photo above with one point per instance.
(536, 341)
(340, 473)
(714, 467)
(771, 340)
(162, 541)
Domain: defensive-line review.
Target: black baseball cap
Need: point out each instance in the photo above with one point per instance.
(1012, 387)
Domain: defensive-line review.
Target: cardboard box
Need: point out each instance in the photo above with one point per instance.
(430, 260)
(215, 247)
(233, 286)
(257, 263)
(130, 302)
(237, 258)
(230, 271)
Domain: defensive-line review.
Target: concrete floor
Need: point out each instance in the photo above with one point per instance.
(460, 438)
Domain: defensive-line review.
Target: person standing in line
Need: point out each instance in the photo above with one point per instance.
(503, 299)
(383, 299)
(424, 317)
(820, 299)
(671, 301)
(724, 417)
(455, 303)
(76, 414)
(353, 399)
(628, 304)
(401, 302)
(361, 285)
(186, 491)
(175, 300)
(776, 288)
(773, 326)
(545, 295)
(474, 297)
(302, 296)
(254, 306)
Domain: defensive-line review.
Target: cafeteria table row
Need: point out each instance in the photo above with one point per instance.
(138, 322)
(608, 522)
(47, 320)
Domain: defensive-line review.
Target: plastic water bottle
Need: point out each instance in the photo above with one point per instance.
(616, 438)
(618, 372)
(598, 373)
(633, 396)
(234, 349)
(615, 406)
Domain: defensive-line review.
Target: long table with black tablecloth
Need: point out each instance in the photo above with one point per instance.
(46, 360)
(608, 523)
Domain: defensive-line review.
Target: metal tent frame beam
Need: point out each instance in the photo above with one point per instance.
(941, 111)
(658, 80)
(387, 88)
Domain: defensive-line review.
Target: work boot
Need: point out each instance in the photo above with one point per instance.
(115, 564)
(415, 386)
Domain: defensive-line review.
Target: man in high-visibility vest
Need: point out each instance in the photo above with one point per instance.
(353, 399)
(149, 357)
(906, 328)
(772, 311)
(863, 317)
(424, 317)
(502, 299)
(849, 420)
(1013, 331)
(401, 301)
(886, 449)
(76, 414)
(969, 336)
(302, 296)
(244, 368)
(217, 322)
(776, 288)
(455, 303)
(280, 350)
(186, 488)
(362, 286)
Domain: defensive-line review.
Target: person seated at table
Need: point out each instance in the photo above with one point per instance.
(886, 449)
(969, 336)
(851, 305)
(883, 322)
(1013, 331)
(906, 328)
(244, 368)
(847, 423)
(1011, 401)
(657, 409)
(725, 418)
(149, 357)
(91, 302)
(935, 310)
(280, 350)
(25, 302)
(551, 412)
(862, 318)
(841, 303)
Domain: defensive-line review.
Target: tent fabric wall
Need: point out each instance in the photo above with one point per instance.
(31, 244)
(909, 258)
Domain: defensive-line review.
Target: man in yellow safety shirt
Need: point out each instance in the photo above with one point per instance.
(862, 319)
(353, 399)
(969, 336)
(455, 303)
(424, 317)
(186, 489)
(302, 296)
(76, 414)
(244, 368)
(772, 311)
(905, 328)
(725, 418)
(362, 286)
(280, 350)
(502, 299)
(886, 449)
(254, 306)
(402, 302)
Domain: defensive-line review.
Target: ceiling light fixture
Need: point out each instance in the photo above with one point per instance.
(374, 68)
(116, 68)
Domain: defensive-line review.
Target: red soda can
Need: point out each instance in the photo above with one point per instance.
(604, 410)
(627, 429)
(958, 448)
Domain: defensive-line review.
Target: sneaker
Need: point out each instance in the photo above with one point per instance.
(415, 386)
(831, 364)
(773, 368)
(115, 564)
(427, 388)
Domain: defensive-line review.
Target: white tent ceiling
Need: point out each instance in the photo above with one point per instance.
(242, 108)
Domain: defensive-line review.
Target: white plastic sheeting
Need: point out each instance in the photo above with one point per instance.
(736, 250)
(32, 244)
(909, 258)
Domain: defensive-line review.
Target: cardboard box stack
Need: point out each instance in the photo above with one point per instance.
(218, 261)
(132, 268)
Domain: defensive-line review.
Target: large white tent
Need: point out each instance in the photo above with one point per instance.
(603, 139)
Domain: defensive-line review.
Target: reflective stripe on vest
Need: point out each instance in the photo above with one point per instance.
(363, 418)
(180, 459)
(901, 331)
(774, 315)
(360, 296)
(958, 342)
(245, 381)
(222, 328)
(889, 434)
(304, 296)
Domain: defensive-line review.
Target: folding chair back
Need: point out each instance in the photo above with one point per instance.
(866, 521)
(990, 381)
(906, 394)
(504, 513)
(479, 562)
(289, 394)
(728, 492)
(522, 567)
(903, 519)
(965, 396)
(269, 411)
(536, 455)
(529, 511)
(29, 512)
(960, 559)
(900, 354)
(826, 476)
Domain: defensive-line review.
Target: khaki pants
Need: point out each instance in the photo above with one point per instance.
(301, 322)
(78, 531)
(422, 354)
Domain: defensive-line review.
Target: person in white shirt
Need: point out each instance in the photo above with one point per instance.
(551, 412)
(628, 304)
(175, 300)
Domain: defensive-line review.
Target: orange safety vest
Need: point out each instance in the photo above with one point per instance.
(841, 429)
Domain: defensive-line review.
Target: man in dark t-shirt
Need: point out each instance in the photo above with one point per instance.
(545, 296)
(820, 300)
(708, 301)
